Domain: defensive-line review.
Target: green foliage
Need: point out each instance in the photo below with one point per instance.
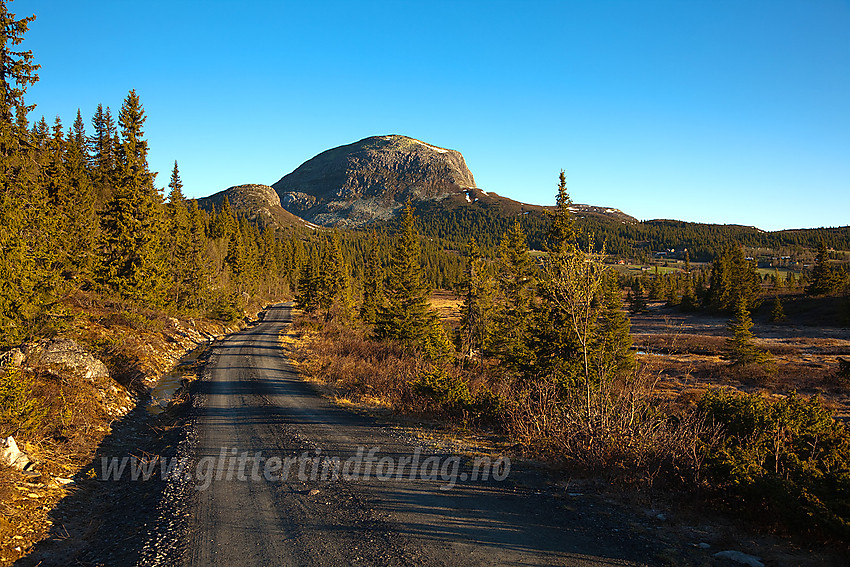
(406, 314)
(790, 455)
(637, 297)
(611, 347)
(226, 309)
(334, 284)
(476, 311)
(448, 390)
(513, 312)
(373, 286)
(133, 258)
(824, 278)
(308, 284)
(740, 350)
(733, 278)
(80, 212)
(435, 343)
(777, 312)
(562, 228)
(21, 413)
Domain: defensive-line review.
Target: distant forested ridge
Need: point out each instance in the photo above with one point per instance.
(488, 222)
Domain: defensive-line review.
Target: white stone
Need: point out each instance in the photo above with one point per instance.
(12, 456)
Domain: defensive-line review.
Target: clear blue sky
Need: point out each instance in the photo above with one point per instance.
(713, 111)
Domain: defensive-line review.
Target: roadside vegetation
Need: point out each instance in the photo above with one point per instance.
(541, 352)
(97, 263)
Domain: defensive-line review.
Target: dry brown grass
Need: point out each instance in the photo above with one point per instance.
(357, 368)
(629, 432)
(684, 351)
(63, 419)
(447, 305)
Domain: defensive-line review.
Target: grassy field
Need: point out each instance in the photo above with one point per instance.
(684, 352)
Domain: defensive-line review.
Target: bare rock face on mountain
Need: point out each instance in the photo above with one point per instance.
(369, 180)
(257, 202)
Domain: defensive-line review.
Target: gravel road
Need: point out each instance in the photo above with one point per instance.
(411, 506)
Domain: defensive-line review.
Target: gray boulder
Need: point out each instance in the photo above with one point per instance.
(64, 356)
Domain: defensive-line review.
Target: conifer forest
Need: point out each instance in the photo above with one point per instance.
(703, 362)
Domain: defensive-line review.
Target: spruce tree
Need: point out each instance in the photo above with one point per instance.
(733, 278)
(562, 227)
(777, 312)
(22, 199)
(824, 278)
(476, 310)
(307, 298)
(104, 151)
(178, 238)
(513, 317)
(237, 261)
(656, 287)
(406, 313)
(133, 260)
(373, 285)
(637, 298)
(612, 344)
(740, 347)
(689, 300)
(199, 266)
(334, 284)
(75, 204)
(581, 333)
(298, 261)
(270, 261)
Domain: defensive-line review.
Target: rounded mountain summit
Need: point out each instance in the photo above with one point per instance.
(371, 179)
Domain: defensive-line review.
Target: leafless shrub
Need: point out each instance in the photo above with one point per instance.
(627, 431)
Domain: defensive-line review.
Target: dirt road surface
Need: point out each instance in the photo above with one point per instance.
(254, 403)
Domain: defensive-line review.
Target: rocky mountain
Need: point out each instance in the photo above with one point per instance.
(259, 203)
(371, 179)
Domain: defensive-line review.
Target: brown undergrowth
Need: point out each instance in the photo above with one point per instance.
(627, 431)
(60, 418)
(624, 431)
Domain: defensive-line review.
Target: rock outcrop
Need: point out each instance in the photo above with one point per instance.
(369, 180)
(64, 356)
(259, 203)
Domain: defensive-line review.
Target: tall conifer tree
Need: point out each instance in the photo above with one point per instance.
(133, 262)
(476, 310)
(76, 205)
(178, 237)
(516, 283)
(406, 313)
(307, 297)
(373, 285)
(22, 204)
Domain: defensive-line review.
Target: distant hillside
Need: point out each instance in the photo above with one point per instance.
(371, 179)
(365, 184)
(487, 216)
(487, 220)
(258, 203)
